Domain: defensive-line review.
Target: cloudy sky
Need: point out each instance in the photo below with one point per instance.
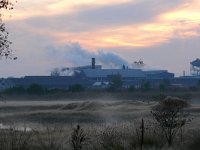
(47, 34)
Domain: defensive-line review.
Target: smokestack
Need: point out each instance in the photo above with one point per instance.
(184, 73)
(93, 63)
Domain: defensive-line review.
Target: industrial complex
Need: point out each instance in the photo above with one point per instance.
(94, 76)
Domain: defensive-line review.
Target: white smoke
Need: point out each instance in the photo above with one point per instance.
(72, 55)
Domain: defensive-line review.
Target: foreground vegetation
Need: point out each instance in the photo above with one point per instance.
(166, 126)
(104, 137)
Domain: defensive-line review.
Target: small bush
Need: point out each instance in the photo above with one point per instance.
(12, 139)
(110, 139)
(116, 82)
(146, 86)
(78, 138)
(76, 88)
(170, 116)
(15, 90)
(194, 141)
(147, 136)
(131, 89)
(51, 138)
(35, 89)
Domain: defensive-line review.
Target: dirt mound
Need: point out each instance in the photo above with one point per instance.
(95, 106)
(70, 106)
(84, 106)
(91, 106)
(128, 103)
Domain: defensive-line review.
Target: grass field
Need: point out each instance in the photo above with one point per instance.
(108, 119)
(90, 111)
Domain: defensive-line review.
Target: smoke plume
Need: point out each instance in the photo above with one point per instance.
(73, 55)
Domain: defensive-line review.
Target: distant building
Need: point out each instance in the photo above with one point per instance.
(93, 76)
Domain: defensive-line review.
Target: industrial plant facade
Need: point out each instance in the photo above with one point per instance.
(93, 76)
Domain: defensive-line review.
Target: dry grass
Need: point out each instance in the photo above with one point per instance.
(102, 137)
(109, 125)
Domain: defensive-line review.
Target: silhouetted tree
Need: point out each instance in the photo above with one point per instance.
(146, 86)
(76, 88)
(35, 89)
(198, 84)
(6, 4)
(4, 42)
(15, 90)
(131, 88)
(164, 85)
(116, 82)
(170, 115)
(5, 50)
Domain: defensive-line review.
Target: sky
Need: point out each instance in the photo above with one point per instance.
(48, 34)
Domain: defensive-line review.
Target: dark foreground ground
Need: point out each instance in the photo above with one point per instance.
(103, 119)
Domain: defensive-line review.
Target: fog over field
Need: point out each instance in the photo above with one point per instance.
(38, 113)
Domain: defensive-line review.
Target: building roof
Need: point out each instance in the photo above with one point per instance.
(87, 67)
(103, 73)
(155, 71)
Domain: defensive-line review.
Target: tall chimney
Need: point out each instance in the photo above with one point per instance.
(93, 63)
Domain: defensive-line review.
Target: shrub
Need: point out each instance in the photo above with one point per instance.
(116, 82)
(146, 136)
(170, 116)
(49, 139)
(131, 89)
(145, 86)
(78, 138)
(15, 90)
(164, 85)
(198, 84)
(12, 139)
(194, 143)
(35, 89)
(110, 139)
(76, 88)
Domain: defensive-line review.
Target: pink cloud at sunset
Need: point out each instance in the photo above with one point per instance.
(138, 28)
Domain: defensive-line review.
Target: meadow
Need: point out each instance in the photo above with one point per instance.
(105, 122)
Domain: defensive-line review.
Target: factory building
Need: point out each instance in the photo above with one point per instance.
(97, 73)
(130, 77)
(94, 75)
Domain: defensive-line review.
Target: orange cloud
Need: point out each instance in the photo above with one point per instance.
(188, 12)
(143, 35)
(127, 36)
(184, 20)
(26, 8)
(181, 22)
